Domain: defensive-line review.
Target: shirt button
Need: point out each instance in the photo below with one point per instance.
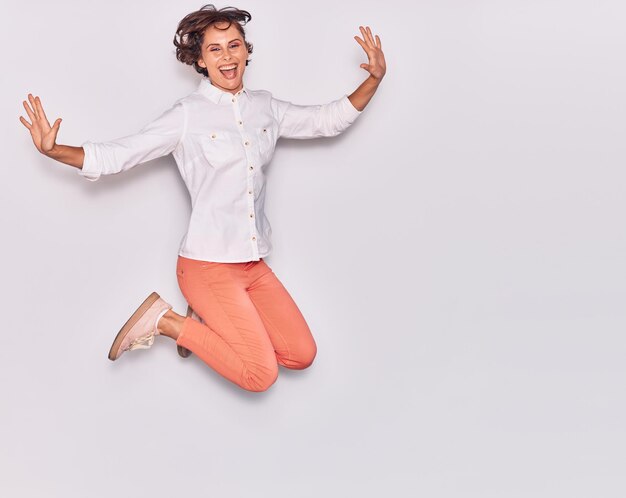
(251, 215)
(232, 100)
(253, 238)
(250, 192)
(251, 167)
(213, 136)
(247, 143)
(264, 130)
(240, 122)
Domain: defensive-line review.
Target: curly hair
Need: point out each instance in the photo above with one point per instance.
(190, 32)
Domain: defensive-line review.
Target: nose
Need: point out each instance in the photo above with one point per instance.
(227, 55)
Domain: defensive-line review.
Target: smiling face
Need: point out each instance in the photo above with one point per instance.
(224, 48)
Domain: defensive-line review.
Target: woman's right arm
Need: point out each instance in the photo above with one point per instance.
(93, 159)
(68, 154)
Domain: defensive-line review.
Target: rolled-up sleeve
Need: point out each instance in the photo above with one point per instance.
(312, 121)
(158, 138)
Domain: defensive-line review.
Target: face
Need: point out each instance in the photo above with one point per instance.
(224, 48)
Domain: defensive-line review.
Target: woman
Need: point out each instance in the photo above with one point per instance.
(241, 320)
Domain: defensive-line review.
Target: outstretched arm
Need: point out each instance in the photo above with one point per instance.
(331, 119)
(376, 67)
(93, 159)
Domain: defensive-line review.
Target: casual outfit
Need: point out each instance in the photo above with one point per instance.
(221, 143)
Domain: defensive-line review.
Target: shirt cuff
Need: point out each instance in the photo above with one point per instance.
(350, 112)
(91, 169)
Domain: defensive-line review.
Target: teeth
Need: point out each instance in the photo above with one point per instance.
(224, 68)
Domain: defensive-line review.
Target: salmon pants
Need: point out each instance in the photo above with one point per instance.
(251, 323)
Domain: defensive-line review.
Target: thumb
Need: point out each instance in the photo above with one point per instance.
(364, 66)
(56, 126)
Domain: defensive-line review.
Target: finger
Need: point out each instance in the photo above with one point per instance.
(362, 43)
(55, 128)
(371, 38)
(365, 36)
(31, 99)
(25, 123)
(31, 113)
(378, 42)
(40, 109)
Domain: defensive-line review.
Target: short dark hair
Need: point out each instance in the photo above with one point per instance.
(190, 32)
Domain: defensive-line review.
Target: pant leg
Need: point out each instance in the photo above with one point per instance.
(233, 340)
(290, 334)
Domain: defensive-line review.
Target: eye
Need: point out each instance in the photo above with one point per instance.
(234, 45)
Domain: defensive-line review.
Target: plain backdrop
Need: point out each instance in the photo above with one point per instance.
(459, 254)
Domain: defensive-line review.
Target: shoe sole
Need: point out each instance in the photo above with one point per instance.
(182, 351)
(134, 318)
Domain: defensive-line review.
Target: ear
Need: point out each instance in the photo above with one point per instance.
(201, 63)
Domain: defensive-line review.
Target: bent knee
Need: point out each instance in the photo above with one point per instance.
(260, 378)
(299, 360)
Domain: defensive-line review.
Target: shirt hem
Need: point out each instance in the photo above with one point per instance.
(220, 260)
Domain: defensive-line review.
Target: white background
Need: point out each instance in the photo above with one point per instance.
(459, 254)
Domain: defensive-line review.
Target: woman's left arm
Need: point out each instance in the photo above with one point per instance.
(376, 67)
(332, 118)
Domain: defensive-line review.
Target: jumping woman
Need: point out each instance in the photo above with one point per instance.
(240, 320)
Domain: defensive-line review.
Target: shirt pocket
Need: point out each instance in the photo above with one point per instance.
(267, 135)
(217, 148)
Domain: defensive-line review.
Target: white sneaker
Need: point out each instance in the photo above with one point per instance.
(140, 329)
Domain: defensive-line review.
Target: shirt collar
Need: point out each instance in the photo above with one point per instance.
(216, 95)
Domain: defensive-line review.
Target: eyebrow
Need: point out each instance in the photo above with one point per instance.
(234, 39)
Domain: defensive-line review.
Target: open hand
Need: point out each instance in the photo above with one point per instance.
(373, 49)
(44, 136)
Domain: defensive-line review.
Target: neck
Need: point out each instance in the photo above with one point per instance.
(229, 90)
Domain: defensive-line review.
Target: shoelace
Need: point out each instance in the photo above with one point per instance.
(146, 341)
(142, 342)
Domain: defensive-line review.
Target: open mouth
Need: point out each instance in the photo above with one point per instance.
(230, 71)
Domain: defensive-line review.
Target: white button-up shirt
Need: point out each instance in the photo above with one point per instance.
(221, 143)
